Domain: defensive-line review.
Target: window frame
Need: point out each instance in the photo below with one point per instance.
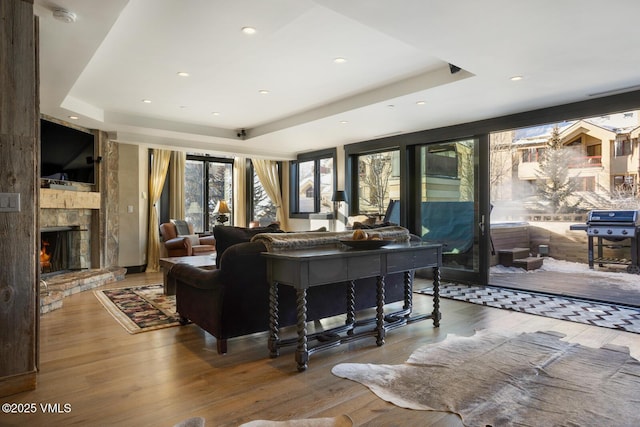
(249, 173)
(316, 157)
(354, 197)
(206, 160)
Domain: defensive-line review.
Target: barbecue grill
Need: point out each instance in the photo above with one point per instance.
(612, 228)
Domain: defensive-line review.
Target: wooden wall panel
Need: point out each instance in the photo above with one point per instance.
(19, 148)
(64, 199)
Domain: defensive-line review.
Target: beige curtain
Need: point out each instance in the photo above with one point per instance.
(159, 166)
(176, 184)
(240, 191)
(267, 171)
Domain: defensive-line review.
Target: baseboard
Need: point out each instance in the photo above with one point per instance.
(18, 383)
(136, 269)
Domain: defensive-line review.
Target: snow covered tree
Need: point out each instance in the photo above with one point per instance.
(554, 184)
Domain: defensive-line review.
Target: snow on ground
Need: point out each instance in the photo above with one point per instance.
(615, 272)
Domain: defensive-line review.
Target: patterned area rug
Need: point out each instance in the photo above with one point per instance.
(563, 308)
(501, 378)
(140, 309)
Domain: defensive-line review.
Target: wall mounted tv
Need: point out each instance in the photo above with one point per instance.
(66, 154)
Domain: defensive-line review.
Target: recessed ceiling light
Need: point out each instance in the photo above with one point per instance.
(73, 117)
(391, 106)
(216, 113)
(516, 78)
(183, 74)
(146, 101)
(420, 103)
(339, 60)
(248, 30)
(263, 92)
(183, 106)
(343, 122)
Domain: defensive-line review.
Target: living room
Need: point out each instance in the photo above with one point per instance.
(281, 134)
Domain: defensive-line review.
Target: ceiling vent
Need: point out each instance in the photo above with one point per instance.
(64, 16)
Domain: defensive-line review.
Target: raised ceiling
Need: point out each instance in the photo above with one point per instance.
(396, 78)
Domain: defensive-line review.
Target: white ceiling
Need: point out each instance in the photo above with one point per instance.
(119, 52)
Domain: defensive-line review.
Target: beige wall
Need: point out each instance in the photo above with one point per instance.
(133, 204)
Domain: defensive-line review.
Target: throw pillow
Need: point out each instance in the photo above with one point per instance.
(195, 240)
(182, 228)
(227, 236)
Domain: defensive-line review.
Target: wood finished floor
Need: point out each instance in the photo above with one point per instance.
(159, 378)
(591, 286)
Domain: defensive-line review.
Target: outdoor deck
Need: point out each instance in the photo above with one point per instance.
(573, 280)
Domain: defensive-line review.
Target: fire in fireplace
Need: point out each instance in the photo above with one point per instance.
(45, 256)
(59, 249)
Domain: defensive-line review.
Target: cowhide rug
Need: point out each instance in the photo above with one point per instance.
(507, 379)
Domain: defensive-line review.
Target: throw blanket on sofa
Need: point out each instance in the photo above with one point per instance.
(282, 241)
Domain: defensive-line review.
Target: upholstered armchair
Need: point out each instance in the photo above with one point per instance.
(180, 240)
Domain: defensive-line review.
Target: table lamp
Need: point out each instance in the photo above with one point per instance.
(222, 210)
(339, 196)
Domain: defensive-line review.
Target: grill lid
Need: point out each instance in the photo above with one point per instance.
(621, 217)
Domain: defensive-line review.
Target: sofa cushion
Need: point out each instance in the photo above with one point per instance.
(193, 238)
(227, 236)
(182, 227)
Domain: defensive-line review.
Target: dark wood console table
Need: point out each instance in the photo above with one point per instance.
(319, 266)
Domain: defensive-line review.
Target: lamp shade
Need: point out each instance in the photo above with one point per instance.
(222, 207)
(339, 196)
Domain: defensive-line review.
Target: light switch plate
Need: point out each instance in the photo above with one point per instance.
(9, 202)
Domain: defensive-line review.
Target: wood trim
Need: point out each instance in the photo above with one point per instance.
(18, 383)
(63, 199)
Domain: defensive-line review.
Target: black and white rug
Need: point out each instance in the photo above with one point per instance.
(575, 310)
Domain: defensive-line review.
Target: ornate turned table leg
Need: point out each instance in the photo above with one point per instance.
(380, 311)
(273, 341)
(408, 291)
(351, 305)
(302, 353)
(436, 297)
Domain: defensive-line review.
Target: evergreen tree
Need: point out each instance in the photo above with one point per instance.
(262, 204)
(554, 183)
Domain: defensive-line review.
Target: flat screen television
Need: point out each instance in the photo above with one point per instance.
(66, 154)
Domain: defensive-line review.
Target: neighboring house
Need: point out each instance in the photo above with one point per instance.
(607, 157)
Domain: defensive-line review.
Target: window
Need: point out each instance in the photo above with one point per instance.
(623, 183)
(262, 208)
(313, 178)
(622, 146)
(532, 155)
(207, 180)
(377, 184)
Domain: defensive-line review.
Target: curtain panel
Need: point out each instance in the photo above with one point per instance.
(267, 171)
(176, 184)
(159, 166)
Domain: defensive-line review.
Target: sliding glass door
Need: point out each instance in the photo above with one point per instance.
(449, 210)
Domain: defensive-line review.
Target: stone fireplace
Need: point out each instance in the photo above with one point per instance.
(68, 233)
